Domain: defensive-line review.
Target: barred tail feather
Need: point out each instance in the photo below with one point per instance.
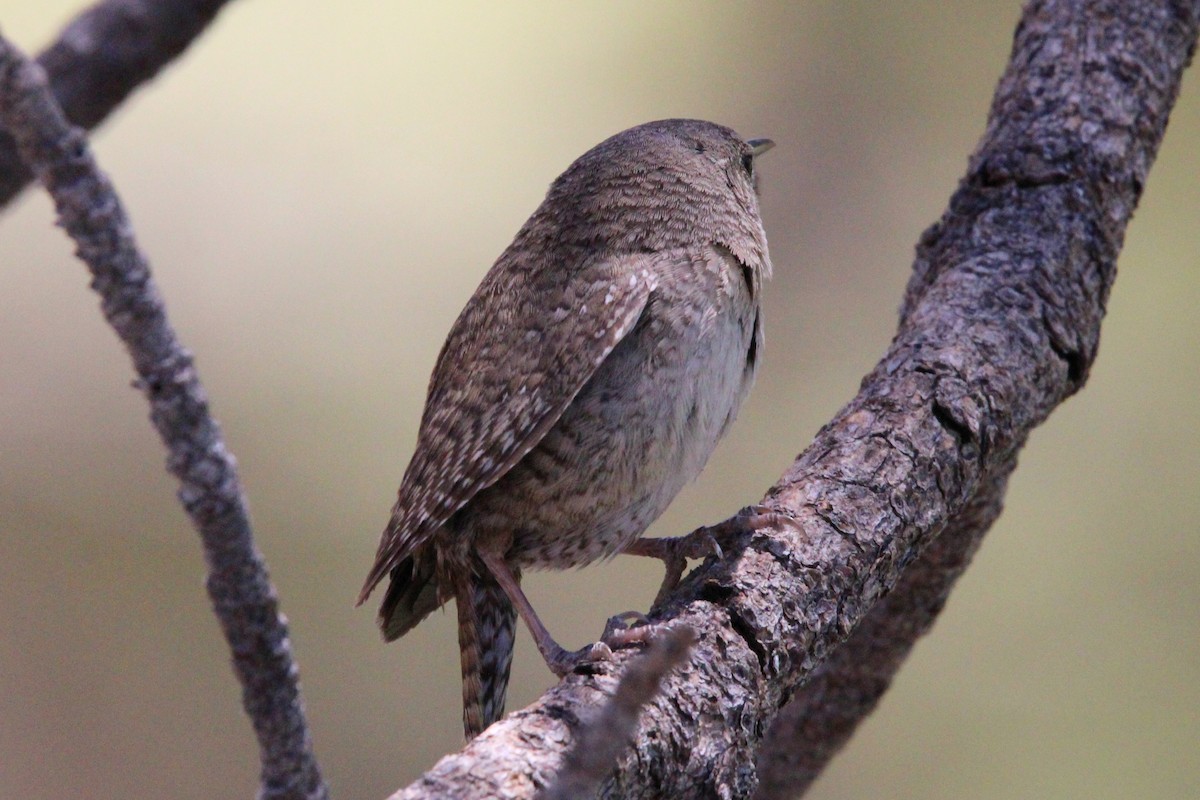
(487, 624)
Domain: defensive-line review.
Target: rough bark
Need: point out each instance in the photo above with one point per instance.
(101, 56)
(241, 592)
(846, 687)
(999, 324)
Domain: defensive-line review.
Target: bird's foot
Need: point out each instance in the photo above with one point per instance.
(621, 630)
(626, 628)
(563, 662)
(618, 633)
(674, 551)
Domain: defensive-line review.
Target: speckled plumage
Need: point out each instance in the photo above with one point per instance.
(586, 381)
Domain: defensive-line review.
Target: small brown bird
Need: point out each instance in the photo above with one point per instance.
(585, 383)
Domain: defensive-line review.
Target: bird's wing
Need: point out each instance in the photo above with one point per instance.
(511, 365)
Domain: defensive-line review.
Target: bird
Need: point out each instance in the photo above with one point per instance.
(585, 382)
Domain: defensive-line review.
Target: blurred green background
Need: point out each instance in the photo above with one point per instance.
(320, 186)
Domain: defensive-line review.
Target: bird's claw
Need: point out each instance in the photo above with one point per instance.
(564, 662)
(619, 624)
(755, 517)
(701, 543)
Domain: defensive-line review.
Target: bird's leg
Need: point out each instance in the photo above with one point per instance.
(559, 660)
(675, 551)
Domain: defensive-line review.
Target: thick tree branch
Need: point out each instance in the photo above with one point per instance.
(241, 592)
(104, 54)
(1000, 323)
(846, 687)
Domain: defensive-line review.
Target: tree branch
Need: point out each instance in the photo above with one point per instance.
(846, 687)
(1000, 323)
(241, 592)
(104, 54)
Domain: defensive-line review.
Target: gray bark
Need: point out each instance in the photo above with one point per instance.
(101, 56)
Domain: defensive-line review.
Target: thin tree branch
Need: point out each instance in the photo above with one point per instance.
(241, 592)
(601, 741)
(1000, 323)
(101, 56)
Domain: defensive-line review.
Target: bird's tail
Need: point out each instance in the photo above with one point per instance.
(487, 624)
(412, 594)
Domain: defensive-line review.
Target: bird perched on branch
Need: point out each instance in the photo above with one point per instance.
(586, 381)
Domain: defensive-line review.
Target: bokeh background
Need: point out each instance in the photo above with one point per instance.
(320, 186)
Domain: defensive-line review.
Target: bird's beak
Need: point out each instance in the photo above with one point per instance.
(759, 146)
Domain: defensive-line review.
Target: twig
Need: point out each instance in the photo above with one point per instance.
(601, 741)
(101, 56)
(241, 592)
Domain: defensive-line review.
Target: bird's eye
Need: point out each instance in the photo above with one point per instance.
(748, 163)
(698, 146)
